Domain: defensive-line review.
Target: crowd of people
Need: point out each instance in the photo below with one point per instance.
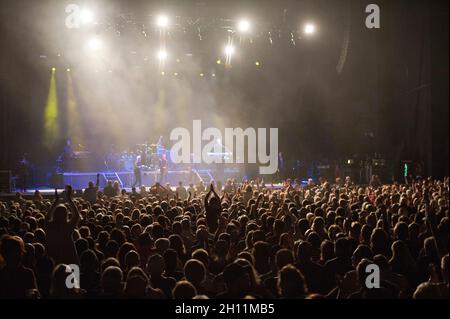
(236, 240)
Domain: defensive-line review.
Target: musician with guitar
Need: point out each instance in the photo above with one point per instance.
(163, 168)
(137, 171)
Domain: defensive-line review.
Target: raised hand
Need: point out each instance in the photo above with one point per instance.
(69, 192)
(55, 202)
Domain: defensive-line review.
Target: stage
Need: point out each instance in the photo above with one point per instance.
(126, 179)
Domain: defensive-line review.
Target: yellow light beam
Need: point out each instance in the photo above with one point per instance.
(51, 127)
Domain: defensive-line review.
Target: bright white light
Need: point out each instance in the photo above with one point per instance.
(162, 55)
(94, 43)
(162, 21)
(244, 26)
(87, 16)
(309, 28)
(229, 50)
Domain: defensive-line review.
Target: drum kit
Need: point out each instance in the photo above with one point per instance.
(150, 157)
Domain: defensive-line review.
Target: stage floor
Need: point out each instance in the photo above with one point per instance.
(49, 192)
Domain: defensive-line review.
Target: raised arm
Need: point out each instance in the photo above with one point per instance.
(72, 207)
(49, 215)
(189, 197)
(211, 187)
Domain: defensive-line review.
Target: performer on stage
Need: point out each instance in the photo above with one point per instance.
(160, 146)
(24, 166)
(67, 155)
(280, 171)
(137, 171)
(68, 148)
(163, 168)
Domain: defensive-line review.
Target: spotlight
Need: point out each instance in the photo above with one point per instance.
(162, 21)
(53, 69)
(201, 74)
(162, 55)
(257, 63)
(219, 61)
(229, 50)
(86, 16)
(309, 28)
(244, 26)
(68, 70)
(94, 43)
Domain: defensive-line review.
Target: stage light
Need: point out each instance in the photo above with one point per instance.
(257, 63)
(94, 43)
(201, 74)
(162, 21)
(219, 61)
(53, 69)
(68, 70)
(162, 55)
(309, 28)
(244, 26)
(87, 16)
(229, 50)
